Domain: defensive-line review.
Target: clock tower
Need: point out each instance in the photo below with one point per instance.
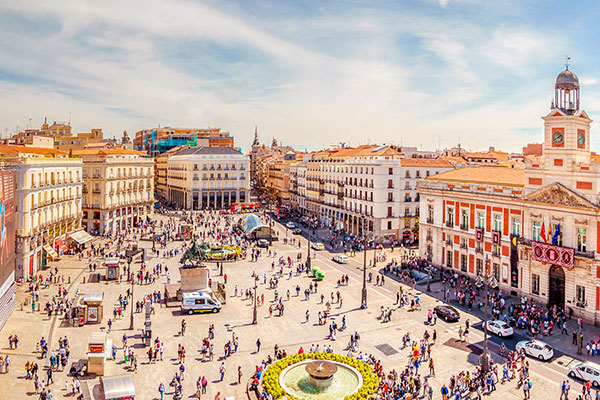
(567, 127)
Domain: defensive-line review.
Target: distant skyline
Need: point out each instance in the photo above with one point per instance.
(309, 73)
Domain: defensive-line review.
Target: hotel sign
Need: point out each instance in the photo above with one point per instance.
(551, 254)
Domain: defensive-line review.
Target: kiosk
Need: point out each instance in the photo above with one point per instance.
(117, 388)
(93, 307)
(98, 347)
(113, 271)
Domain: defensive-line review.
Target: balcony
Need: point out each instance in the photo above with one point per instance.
(96, 191)
(450, 224)
(464, 227)
(479, 249)
(463, 246)
(429, 238)
(84, 190)
(430, 220)
(97, 176)
(495, 253)
(407, 200)
(585, 254)
(448, 242)
(389, 200)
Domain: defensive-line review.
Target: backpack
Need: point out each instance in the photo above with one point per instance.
(529, 384)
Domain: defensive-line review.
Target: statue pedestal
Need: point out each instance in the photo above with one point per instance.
(194, 279)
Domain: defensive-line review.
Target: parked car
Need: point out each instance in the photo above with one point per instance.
(447, 313)
(535, 348)
(262, 243)
(341, 259)
(317, 246)
(290, 225)
(297, 231)
(498, 327)
(586, 371)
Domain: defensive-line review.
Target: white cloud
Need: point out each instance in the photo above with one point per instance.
(307, 80)
(443, 3)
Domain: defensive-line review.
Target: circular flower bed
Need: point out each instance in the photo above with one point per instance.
(370, 379)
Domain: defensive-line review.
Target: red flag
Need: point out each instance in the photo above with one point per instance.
(543, 233)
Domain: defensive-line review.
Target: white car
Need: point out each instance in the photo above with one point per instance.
(341, 259)
(499, 328)
(586, 371)
(317, 246)
(290, 225)
(535, 348)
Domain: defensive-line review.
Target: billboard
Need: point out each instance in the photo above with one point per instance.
(7, 245)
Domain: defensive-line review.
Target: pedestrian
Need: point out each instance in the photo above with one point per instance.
(239, 374)
(258, 345)
(161, 390)
(222, 371)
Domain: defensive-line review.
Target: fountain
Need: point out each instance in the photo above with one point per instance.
(320, 373)
(320, 379)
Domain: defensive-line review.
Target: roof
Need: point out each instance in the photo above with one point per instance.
(252, 223)
(106, 152)
(366, 150)
(208, 150)
(117, 387)
(15, 149)
(93, 297)
(454, 159)
(501, 176)
(425, 162)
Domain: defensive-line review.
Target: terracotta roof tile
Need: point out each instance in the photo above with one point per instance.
(425, 162)
(501, 176)
(14, 149)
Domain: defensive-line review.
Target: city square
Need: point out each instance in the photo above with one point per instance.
(291, 331)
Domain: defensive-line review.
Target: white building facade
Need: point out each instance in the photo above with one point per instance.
(208, 178)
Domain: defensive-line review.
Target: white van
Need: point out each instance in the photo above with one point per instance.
(199, 302)
(586, 371)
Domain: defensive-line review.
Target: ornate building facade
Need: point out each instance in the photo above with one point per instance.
(534, 230)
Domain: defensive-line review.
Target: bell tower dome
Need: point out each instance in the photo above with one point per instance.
(566, 91)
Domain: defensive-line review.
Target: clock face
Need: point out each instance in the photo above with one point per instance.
(558, 137)
(581, 138)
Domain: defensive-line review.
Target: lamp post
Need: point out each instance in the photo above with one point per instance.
(485, 354)
(581, 306)
(255, 311)
(364, 288)
(308, 247)
(130, 305)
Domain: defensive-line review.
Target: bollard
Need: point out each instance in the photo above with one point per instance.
(69, 279)
(83, 279)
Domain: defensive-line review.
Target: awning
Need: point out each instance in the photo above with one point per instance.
(117, 387)
(81, 237)
(53, 254)
(60, 244)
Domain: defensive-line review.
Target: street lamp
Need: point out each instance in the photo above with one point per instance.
(364, 288)
(485, 355)
(581, 305)
(308, 248)
(255, 311)
(130, 305)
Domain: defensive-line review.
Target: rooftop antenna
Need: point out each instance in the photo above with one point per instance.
(459, 146)
(69, 118)
(567, 59)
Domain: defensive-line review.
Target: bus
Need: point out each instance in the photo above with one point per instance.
(244, 207)
(282, 211)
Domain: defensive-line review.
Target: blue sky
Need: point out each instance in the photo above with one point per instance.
(310, 73)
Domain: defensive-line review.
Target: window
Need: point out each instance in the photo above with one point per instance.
(390, 196)
(390, 184)
(389, 225)
(449, 258)
(537, 227)
(450, 216)
(555, 237)
(407, 175)
(430, 214)
(496, 271)
(479, 267)
(464, 219)
(390, 171)
(516, 226)
(463, 262)
(535, 285)
(498, 222)
(581, 239)
(580, 294)
(480, 219)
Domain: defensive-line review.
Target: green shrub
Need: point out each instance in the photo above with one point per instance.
(370, 384)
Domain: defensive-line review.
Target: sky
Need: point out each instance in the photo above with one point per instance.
(312, 74)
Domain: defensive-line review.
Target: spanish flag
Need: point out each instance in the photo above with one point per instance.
(543, 233)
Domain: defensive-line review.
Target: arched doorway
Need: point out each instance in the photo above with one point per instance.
(557, 286)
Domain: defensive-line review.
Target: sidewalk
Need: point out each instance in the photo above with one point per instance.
(560, 343)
